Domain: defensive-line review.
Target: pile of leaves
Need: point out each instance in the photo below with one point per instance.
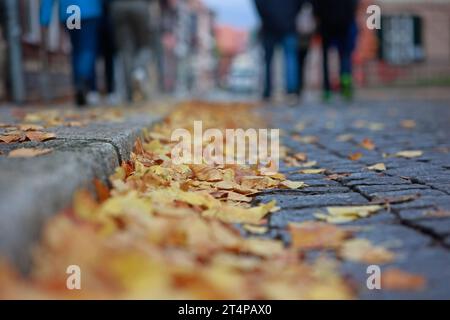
(166, 231)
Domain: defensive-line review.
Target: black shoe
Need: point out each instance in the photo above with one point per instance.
(80, 99)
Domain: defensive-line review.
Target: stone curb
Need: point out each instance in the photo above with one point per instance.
(32, 190)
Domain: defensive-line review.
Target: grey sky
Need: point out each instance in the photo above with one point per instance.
(239, 13)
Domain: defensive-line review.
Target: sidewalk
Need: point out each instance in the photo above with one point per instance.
(417, 189)
(88, 145)
(376, 173)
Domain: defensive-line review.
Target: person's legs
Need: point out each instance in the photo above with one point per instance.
(268, 42)
(290, 47)
(137, 52)
(326, 44)
(346, 44)
(108, 51)
(85, 50)
(125, 42)
(79, 86)
(302, 53)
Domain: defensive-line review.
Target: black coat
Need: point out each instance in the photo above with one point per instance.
(335, 16)
(278, 17)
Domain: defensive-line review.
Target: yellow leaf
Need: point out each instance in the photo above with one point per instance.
(409, 154)
(378, 167)
(312, 171)
(361, 250)
(255, 229)
(338, 215)
(293, 184)
(316, 235)
(344, 137)
(308, 164)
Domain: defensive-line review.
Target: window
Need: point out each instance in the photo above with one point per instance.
(401, 39)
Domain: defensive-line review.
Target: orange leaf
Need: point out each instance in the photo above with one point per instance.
(355, 156)
(28, 152)
(102, 190)
(39, 136)
(317, 235)
(396, 279)
(367, 144)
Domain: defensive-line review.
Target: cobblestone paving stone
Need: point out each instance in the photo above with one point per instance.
(421, 242)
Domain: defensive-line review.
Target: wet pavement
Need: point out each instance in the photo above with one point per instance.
(416, 223)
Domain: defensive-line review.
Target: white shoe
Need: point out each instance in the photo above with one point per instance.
(112, 99)
(93, 98)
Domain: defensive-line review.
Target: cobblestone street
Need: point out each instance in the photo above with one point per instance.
(416, 225)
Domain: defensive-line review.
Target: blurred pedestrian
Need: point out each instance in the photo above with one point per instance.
(131, 19)
(85, 44)
(4, 76)
(337, 25)
(108, 52)
(279, 27)
(306, 26)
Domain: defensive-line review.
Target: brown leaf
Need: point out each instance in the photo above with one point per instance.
(302, 157)
(12, 137)
(102, 190)
(30, 127)
(437, 214)
(233, 196)
(206, 173)
(398, 280)
(317, 235)
(367, 144)
(355, 156)
(337, 176)
(305, 139)
(395, 200)
(39, 136)
(28, 152)
(408, 124)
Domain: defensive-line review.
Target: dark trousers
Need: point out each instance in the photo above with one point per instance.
(108, 50)
(133, 39)
(290, 45)
(345, 43)
(84, 54)
(302, 53)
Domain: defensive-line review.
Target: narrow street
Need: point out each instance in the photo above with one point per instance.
(224, 158)
(416, 224)
(363, 185)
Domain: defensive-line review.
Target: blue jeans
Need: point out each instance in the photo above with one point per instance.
(85, 48)
(345, 44)
(290, 47)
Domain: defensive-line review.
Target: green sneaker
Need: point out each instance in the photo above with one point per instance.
(326, 96)
(347, 86)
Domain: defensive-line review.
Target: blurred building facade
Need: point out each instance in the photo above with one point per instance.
(184, 47)
(412, 47)
(44, 62)
(231, 42)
